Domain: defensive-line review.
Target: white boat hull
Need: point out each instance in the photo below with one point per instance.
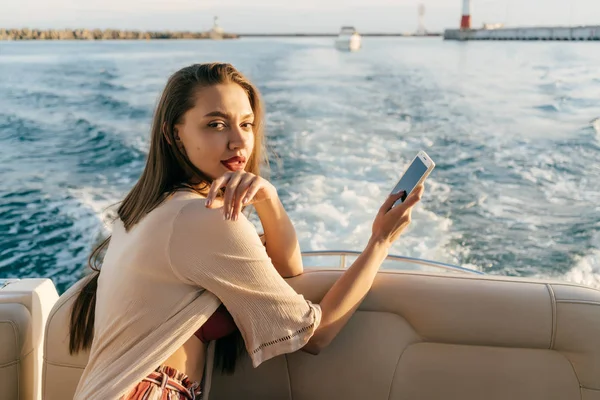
(348, 43)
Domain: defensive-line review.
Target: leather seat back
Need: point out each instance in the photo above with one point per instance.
(425, 336)
(24, 306)
(62, 370)
(415, 336)
(16, 352)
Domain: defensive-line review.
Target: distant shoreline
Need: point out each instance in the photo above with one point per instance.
(366, 34)
(115, 34)
(106, 34)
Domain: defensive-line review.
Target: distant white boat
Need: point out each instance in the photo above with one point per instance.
(348, 39)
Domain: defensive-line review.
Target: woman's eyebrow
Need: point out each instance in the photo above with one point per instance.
(217, 114)
(226, 115)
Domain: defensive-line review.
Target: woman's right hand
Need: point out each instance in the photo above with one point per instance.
(391, 222)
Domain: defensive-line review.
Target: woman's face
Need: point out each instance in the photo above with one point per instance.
(217, 134)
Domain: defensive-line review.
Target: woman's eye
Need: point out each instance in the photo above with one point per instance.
(247, 125)
(217, 125)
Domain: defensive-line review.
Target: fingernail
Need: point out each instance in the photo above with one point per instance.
(208, 202)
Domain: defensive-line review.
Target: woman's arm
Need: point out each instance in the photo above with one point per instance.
(344, 297)
(280, 236)
(244, 188)
(346, 294)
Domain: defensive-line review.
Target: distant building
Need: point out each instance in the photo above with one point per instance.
(421, 30)
(216, 32)
(493, 26)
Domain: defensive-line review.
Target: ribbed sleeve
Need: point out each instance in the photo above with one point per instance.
(228, 259)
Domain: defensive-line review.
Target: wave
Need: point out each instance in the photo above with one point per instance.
(513, 192)
(52, 234)
(586, 270)
(551, 108)
(102, 86)
(595, 123)
(14, 128)
(114, 106)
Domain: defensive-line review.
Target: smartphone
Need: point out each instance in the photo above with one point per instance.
(419, 169)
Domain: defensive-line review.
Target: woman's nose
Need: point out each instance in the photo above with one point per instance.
(238, 138)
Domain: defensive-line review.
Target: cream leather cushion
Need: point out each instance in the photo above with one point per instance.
(24, 306)
(419, 336)
(61, 370)
(16, 352)
(416, 336)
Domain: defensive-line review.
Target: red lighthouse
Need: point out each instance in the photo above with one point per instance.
(465, 21)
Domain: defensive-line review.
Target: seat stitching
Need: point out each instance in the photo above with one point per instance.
(28, 353)
(44, 372)
(573, 301)
(489, 278)
(55, 364)
(396, 368)
(287, 367)
(554, 317)
(19, 375)
(9, 364)
(15, 330)
(16, 362)
(575, 373)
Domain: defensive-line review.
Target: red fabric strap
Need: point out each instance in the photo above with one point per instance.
(219, 325)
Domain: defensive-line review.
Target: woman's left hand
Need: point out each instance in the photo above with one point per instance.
(241, 188)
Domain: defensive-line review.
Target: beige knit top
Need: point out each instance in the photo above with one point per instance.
(164, 278)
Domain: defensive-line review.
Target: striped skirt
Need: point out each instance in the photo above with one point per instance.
(165, 383)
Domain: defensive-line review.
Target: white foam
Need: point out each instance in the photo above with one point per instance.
(338, 214)
(352, 170)
(94, 202)
(91, 213)
(586, 271)
(596, 125)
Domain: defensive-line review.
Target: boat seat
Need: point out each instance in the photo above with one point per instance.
(24, 307)
(415, 336)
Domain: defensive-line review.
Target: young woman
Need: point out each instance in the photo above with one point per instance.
(184, 266)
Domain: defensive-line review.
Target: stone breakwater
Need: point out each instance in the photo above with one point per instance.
(576, 33)
(98, 34)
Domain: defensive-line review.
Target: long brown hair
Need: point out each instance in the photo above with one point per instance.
(168, 169)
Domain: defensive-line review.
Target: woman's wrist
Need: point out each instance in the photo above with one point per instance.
(270, 207)
(379, 242)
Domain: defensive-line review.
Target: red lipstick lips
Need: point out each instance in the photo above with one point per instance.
(234, 163)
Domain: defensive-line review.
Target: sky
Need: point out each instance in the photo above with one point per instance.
(286, 16)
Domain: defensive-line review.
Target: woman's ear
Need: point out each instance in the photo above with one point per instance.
(165, 133)
(178, 141)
